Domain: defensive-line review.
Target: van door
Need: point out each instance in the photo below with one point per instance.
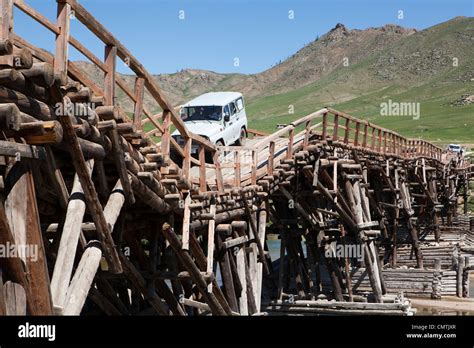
(234, 122)
(242, 117)
(227, 135)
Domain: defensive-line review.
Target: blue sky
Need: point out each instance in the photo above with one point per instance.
(215, 32)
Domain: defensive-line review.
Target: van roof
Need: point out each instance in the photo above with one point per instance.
(214, 98)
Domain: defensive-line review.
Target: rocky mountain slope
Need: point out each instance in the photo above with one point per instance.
(352, 69)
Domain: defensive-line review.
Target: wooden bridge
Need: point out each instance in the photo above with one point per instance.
(119, 228)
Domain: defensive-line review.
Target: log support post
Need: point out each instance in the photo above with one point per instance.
(62, 41)
(91, 198)
(69, 240)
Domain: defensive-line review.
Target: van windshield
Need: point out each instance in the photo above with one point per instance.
(202, 113)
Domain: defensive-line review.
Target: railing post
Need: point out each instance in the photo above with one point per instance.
(109, 83)
(366, 131)
(165, 137)
(6, 26)
(379, 142)
(254, 166)
(271, 154)
(346, 133)
(394, 144)
(6, 29)
(372, 140)
(289, 153)
(217, 165)
(325, 126)
(187, 159)
(336, 126)
(138, 109)
(202, 169)
(306, 134)
(62, 41)
(237, 166)
(356, 134)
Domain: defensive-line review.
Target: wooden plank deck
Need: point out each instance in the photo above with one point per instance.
(228, 161)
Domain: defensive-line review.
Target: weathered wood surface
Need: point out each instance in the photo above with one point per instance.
(69, 241)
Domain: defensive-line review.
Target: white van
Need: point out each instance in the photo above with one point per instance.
(217, 116)
(456, 148)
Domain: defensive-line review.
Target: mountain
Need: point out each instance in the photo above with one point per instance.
(317, 59)
(433, 67)
(323, 56)
(355, 71)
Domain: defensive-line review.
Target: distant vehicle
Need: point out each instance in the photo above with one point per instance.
(217, 116)
(456, 148)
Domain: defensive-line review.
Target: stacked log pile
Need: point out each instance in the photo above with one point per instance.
(397, 307)
(445, 253)
(410, 281)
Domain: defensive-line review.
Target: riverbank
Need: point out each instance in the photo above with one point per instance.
(446, 306)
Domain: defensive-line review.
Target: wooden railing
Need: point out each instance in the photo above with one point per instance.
(161, 123)
(340, 127)
(333, 127)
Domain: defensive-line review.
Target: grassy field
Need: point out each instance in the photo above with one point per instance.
(439, 120)
(440, 124)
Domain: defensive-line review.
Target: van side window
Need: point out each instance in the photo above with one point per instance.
(233, 109)
(226, 110)
(240, 104)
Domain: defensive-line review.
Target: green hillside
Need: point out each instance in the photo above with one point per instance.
(419, 68)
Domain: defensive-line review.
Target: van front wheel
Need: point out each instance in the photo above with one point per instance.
(242, 138)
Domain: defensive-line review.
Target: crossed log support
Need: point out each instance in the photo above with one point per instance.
(346, 196)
